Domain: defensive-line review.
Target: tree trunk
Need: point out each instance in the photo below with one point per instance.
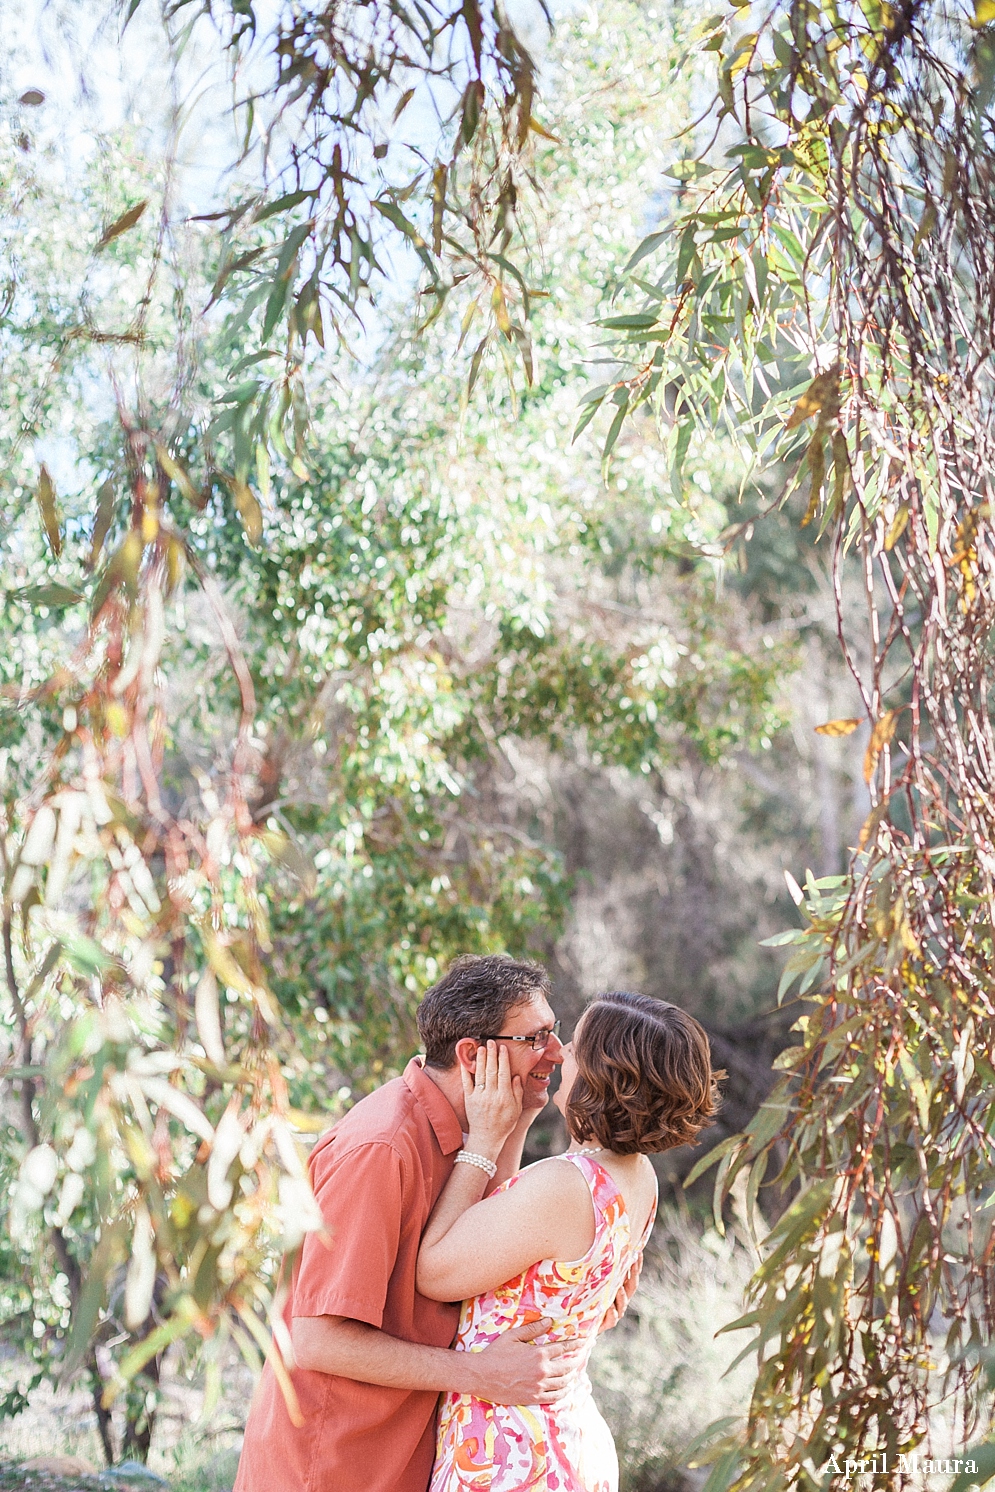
(140, 1414)
(105, 1425)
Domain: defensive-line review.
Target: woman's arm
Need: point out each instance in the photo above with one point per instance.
(471, 1245)
(547, 1214)
(510, 1159)
(493, 1100)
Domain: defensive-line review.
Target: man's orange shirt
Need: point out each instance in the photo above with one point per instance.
(377, 1175)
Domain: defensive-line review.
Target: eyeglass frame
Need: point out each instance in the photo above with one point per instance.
(549, 1033)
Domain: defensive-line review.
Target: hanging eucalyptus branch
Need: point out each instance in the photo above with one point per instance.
(155, 1110)
(160, 1165)
(389, 134)
(826, 290)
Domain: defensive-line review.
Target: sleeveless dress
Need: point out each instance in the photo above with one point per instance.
(563, 1447)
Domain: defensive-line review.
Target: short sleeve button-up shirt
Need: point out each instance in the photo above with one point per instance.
(376, 1175)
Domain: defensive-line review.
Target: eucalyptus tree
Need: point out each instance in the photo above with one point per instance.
(822, 287)
(265, 636)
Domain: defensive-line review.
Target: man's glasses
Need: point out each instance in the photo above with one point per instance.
(538, 1041)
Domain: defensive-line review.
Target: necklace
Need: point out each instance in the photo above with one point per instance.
(590, 1150)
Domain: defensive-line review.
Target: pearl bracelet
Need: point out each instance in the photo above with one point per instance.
(471, 1158)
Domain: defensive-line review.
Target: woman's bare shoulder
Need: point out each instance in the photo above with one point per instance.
(647, 1173)
(554, 1174)
(552, 1206)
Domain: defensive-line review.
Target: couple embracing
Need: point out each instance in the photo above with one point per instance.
(446, 1270)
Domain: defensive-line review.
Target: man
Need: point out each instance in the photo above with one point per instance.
(372, 1355)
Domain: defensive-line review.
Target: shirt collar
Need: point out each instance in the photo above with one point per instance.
(441, 1114)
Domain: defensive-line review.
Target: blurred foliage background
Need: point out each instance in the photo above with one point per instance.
(328, 653)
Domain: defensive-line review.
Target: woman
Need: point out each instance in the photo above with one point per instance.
(636, 1079)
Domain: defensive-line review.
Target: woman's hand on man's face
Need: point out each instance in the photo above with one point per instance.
(493, 1100)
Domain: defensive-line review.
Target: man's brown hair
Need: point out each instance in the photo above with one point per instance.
(644, 1076)
(472, 999)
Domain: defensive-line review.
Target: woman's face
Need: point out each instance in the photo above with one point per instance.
(568, 1073)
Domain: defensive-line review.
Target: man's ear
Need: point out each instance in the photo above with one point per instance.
(466, 1053)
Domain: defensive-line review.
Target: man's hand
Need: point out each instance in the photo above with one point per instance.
(626, 1291)
(511, 1371)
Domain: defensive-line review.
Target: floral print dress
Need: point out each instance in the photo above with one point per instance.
(562, 1447)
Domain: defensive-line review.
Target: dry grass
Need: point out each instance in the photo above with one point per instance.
(191, 1455)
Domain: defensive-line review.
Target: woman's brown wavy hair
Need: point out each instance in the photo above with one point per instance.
(644, 1076)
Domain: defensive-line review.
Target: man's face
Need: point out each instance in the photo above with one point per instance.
(533, 1067)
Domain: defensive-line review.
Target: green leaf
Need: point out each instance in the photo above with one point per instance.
(800, 963)
(401, 223)
(86, 956)
(159, 1338)
(473, 100)
(710, 1432)
(705, 1162)
(121, 225)
(55, 596)
(741, 1323)
(724, 1471)
(689, 170)
(252, 358)
(475, 362)
(586, 418)
(287, 849)
(685, 430)
(789, 241)
(242, 393)
(757, 1173)
(769, 1119)
(801, 1219)
(686, 252)
(615, 428)
(597, 395)
(817, 968)
(109, 1252)
(983, 1454)
(102, 521)
(282, 204)
(637, 322)
(49, 511)
(648, 246)
(275, 304)
(291, 248)
(752, 1349)
(247, 506)
(917, 1087)
(233, 266)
